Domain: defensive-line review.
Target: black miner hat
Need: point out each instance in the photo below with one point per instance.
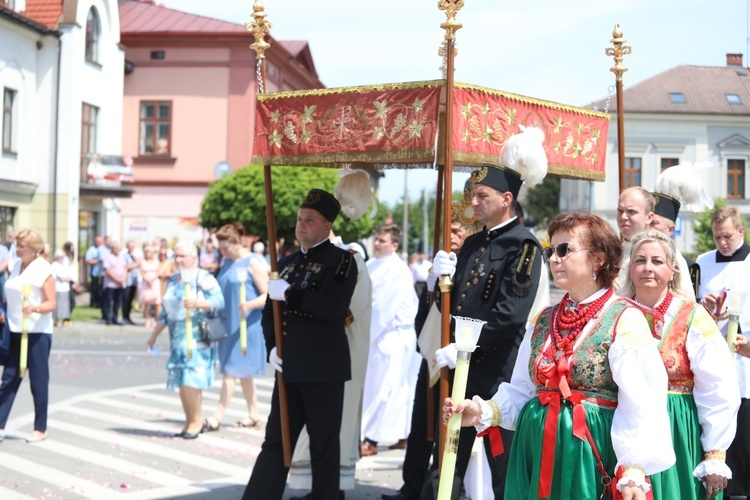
(666, 206)
(324, 202)
(501, 178)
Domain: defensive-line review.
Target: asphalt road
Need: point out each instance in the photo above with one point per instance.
(110, 429)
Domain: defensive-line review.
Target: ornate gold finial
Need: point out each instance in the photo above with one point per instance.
(451, 8)
(259, 28)
(617, 52)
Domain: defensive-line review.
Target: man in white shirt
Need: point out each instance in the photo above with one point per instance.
(393, 363)
(727, 269)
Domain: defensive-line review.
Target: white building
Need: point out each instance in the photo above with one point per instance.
(61, 78)
(687, 113)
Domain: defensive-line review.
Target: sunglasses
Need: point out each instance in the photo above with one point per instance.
(561, 250)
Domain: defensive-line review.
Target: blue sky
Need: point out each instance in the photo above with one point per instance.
(541, 48)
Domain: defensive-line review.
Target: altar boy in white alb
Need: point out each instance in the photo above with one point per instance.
(727, 269)
(393, 363)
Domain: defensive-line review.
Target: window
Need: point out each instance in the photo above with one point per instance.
(93, 31)
(677, 97)
(735, 178)
(156, 126)
(734, 99)
(9, 99)
(7, 215)
(632, 172)
(89, 119)
(668, 162)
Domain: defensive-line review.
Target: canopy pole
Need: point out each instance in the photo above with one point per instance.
(618, 51)
(259, 28)
(278, 334)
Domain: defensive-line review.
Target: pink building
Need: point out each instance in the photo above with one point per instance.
(188, 109)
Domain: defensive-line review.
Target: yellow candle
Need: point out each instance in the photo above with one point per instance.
(450, 450)
(734, 318)
(243, 321)
(23, 361)
(188, 325)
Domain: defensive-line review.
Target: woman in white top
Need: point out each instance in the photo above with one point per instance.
(31, 269)
(61, 272)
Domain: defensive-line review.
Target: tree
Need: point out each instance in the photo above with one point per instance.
(241, 197)
(542, 203)
(704, 236)
(416, 221)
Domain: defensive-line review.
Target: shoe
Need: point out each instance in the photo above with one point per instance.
(400, 445)
(2, 436)
(118, 323)
(368, 448)
(178, 434)
(187, 435)
(399, 495)
(128, 322)
(211, 424)
(246, 422)
(67, 322)
(37, 438)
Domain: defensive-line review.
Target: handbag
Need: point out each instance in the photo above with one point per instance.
(211, 326)
(212, 329)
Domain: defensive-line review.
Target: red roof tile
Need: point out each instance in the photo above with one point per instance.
(705, 89)
(144, 17)
(45, 12)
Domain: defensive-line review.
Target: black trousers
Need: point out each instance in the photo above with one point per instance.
(95, 291)
(111, 298)
(128, 296)
(420, 445)
(319, 406)
(738, 454)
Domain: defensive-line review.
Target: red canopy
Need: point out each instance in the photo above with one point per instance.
(399, 126)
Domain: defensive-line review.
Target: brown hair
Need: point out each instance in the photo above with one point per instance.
(231, 233)
(599, 239)
(724, 213)
(31, 238)
(391, 229)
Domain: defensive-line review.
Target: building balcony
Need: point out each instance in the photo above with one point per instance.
(106, 176)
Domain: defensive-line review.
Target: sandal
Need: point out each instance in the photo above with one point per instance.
(246, 422)
(211, 424)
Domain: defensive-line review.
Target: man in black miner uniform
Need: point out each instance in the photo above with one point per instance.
(315, 290)
(495, 279)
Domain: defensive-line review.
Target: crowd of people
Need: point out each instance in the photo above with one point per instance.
(627, 387)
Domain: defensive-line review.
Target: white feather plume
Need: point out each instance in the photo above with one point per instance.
(524, 153)
(355, 194)
(683, 183)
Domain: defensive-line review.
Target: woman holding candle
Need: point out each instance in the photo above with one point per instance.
(191, 361)
(241, 273)
(703, 392)
(588, 381)
(31, 299)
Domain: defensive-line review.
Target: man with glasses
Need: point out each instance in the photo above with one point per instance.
(496, 277)
(722, 270)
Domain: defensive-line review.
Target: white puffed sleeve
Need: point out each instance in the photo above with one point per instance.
(641, 435)
(510, 398)
(716, 392)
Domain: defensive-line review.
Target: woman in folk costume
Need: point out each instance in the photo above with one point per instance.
(703, 392)
(675, 187)
(354, 192)
(588, 386)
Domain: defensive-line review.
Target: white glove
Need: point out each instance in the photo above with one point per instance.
(432, 278)
(444, 263)
(446, 356)
(276, 289)
(275, 360)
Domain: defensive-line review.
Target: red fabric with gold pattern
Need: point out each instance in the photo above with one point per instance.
(673, 349)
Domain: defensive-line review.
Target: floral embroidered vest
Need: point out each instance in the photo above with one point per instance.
(673, 350)
(590, 371)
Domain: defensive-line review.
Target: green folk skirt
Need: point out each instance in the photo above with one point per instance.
(678, 481)
(574, 473)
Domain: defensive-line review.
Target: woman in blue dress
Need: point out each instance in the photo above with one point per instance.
(191, 374)
(240, 263)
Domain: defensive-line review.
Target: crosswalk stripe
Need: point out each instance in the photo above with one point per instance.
(143, 446)
(8, 494)
(110, 462)
(63, 480)
(173, 400)
(148, 426)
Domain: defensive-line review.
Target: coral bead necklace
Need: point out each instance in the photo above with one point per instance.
(571, 320)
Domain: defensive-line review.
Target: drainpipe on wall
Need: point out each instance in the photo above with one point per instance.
(53, 247)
